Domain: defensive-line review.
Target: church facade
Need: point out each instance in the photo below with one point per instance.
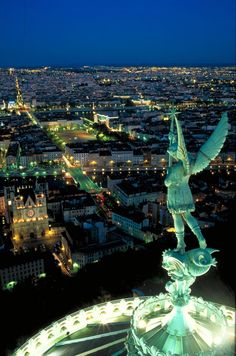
(30, 219)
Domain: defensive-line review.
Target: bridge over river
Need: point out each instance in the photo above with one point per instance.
(83, 180)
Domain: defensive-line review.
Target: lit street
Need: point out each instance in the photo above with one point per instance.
(80, 178)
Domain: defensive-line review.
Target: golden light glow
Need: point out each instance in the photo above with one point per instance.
(171, 229)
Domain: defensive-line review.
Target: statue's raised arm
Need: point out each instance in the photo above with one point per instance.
(211, 148)
(182, 153)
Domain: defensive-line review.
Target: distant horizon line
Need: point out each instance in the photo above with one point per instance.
(74, 66)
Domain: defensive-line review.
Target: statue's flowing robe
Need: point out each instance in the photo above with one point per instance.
(179, 196)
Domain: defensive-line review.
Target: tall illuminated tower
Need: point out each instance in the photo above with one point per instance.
(95, 115)
(19, 98)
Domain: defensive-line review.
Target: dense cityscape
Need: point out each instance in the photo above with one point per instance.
(82, 195)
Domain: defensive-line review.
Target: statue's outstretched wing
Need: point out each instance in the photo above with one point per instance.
(182, 153)
(212, 146)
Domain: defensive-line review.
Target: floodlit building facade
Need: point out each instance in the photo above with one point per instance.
(30, 219)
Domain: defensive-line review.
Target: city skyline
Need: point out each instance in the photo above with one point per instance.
(170, 33)
(83, 165)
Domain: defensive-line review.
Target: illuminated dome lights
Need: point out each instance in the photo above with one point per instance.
(67, 335)
(100, 322)
(159, 328)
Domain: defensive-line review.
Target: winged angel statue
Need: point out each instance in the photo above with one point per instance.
(179, 197)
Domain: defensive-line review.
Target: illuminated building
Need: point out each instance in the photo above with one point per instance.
(134, 192)
(78, 206)
(30, 219)
(131, 222)
(14, 269)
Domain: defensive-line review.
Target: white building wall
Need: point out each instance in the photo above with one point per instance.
(84, 258)
(21, 271)
(70, 214)
(135, 199)
(131, 227)
(122, 156)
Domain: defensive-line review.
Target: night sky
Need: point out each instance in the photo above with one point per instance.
(117, 32)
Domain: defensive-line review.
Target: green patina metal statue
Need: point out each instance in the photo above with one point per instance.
(177, 324)
(179, 197)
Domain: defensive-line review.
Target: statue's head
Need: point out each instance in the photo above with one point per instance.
(173, 146)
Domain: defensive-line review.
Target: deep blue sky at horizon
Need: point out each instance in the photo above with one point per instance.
(112, 32)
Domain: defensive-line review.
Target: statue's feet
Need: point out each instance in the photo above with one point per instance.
(180, 248)
(202, 244)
